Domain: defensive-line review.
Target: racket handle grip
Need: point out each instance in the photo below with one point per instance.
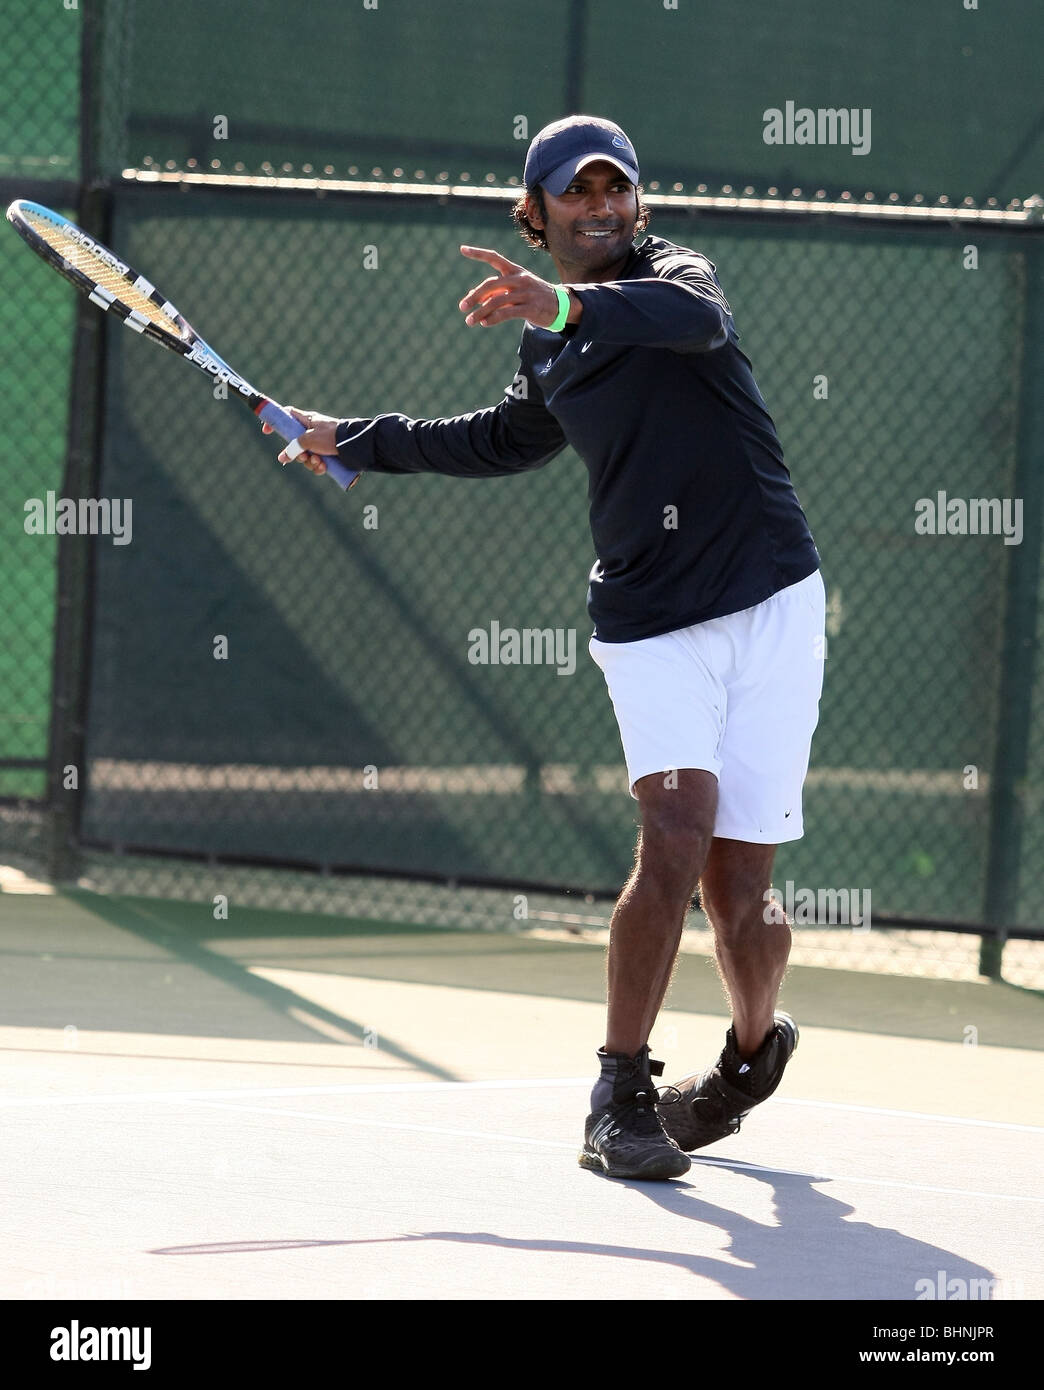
(284, 424)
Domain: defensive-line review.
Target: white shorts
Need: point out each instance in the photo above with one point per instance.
(737, 696)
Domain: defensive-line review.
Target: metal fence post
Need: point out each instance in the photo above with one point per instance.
(1008, 784)
(66, 770)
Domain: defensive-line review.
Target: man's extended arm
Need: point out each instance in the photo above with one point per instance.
(511, 437)
(517, 435)
(681, 307)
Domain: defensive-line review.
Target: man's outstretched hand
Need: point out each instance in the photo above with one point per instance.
(318, 439)
(513, 293)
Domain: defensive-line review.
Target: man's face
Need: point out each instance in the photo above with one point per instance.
(590, 227)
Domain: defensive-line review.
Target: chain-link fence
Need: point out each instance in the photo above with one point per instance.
(275, 674)
(40, 91)
(924, 101)
(35, 361)
(39, 149)
(280, 671)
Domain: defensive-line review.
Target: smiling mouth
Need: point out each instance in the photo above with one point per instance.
(600, 232)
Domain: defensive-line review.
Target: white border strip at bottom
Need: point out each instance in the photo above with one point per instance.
(405, 1087)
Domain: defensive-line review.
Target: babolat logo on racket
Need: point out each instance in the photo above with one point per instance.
(102, 252)
(203, 357)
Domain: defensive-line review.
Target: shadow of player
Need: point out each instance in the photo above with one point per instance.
(811, 1251)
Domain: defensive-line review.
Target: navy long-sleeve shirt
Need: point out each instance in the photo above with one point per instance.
(693, 514)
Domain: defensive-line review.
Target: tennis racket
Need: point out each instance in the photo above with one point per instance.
(114, 286)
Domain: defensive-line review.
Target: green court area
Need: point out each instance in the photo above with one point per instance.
(255, 939)
(147, 965)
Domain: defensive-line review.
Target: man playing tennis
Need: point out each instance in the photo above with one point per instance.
(706, 598)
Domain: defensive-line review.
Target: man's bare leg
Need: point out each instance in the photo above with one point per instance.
(673, 848)
(752, 944)
(751, 937)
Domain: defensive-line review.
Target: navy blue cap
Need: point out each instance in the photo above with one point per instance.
(559, 151)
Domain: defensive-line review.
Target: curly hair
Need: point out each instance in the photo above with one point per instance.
(535, 237)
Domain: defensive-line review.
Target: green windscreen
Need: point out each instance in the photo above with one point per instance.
(39, 90)
(414, 88)
(281, 670)
(39, 140)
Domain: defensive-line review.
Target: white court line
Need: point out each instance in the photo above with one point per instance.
(743, 1165)
(561, 1144)
(908, 1114)
(399, 1087)
(393, 1124)
(264, 1092)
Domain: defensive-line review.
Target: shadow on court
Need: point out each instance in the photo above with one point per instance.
(848, 1000)
(812, 1253)
(174, 984)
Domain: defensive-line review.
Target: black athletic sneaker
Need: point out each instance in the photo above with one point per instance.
(714, 1103)
(625, 1138)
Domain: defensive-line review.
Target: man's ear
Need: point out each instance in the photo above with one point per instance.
(533, 213)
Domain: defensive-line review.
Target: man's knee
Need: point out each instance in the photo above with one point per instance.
(677, 830)
(673, 857)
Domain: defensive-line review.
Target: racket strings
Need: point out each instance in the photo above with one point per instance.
(89, 263)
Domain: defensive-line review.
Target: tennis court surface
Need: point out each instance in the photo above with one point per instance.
(296, 1107)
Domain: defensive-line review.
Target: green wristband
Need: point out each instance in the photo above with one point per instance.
(563, 309)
